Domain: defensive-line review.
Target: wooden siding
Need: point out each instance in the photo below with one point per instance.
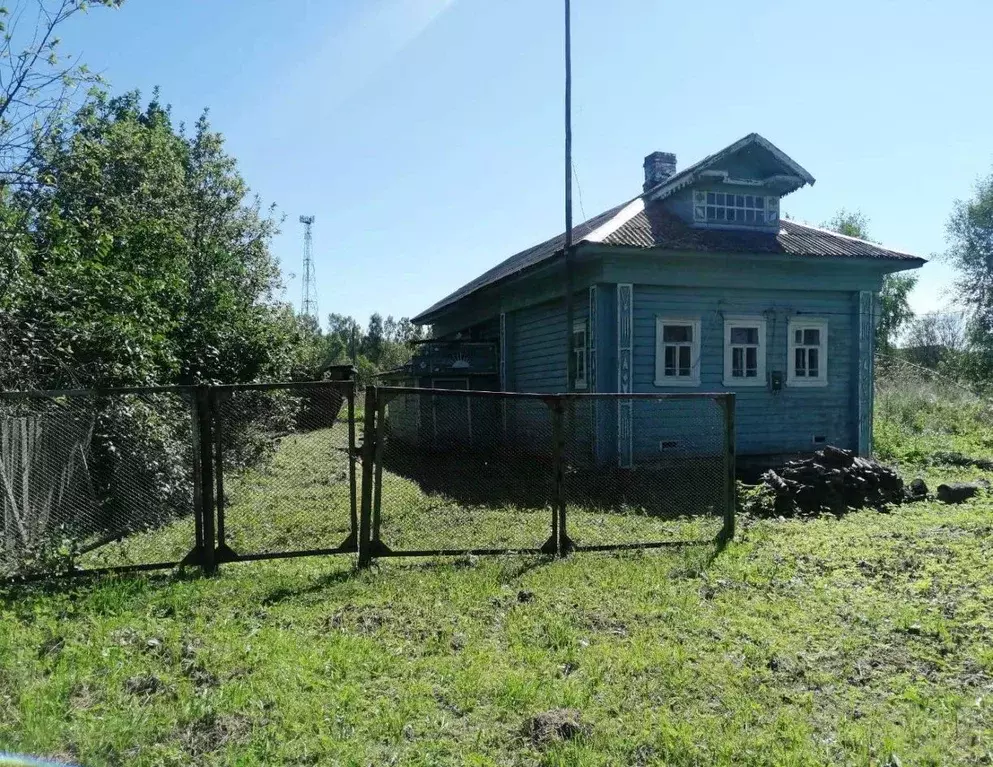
(767, 422)
(538, 345)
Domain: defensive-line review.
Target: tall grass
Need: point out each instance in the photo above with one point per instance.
(921, 414)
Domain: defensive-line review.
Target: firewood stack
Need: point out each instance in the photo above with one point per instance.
(834, 480)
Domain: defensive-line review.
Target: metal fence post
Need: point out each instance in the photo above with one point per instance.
(565, 542)
(368, 453)
(558, 472)
(218, 436)
(203, 396)
(353, 508)
(377, 486)
(196, 555)
(727, 531)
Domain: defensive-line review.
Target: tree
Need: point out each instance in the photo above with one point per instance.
(936, 339)
(144, 262)
(37, 83)
(894, 303)
(970, 251)
(345, 338)
(372, 346)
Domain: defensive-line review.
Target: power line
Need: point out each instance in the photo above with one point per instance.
(579, 189)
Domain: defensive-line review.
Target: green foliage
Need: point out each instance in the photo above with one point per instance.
(386, 344)
(142, 262)
(851, 223)
(894, 309)
(920, 414)
(970, 251)
(56, 552)
(38, 81)
(894, 304)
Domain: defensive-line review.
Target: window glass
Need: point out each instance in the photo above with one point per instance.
(724, 206)
(744, 335)
(812, 363)
(678, 347)
(811, 337)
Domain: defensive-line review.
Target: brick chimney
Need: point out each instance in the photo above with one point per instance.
(659, 166)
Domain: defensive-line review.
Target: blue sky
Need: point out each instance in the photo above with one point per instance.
(425, 135)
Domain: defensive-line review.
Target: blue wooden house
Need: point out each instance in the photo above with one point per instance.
(695, 285)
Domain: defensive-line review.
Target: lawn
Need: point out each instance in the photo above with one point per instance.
(861, 640)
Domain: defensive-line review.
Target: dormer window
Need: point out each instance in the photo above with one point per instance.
(729, 208)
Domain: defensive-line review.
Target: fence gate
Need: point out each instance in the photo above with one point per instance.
(443, 473)
(477, 472)
(284, 469)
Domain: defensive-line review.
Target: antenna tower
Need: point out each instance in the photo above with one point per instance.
(308, 303)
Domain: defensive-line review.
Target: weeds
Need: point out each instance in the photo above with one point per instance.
(920, 416)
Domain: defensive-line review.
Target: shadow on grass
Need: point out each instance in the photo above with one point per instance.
(82, 584)
(318, 584)
(666, 488)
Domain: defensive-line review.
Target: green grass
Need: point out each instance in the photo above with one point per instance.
(824, 641)
(819, 642)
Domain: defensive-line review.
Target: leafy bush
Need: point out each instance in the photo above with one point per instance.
(142, 464)
(252, 424)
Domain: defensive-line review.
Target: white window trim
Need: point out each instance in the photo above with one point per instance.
(745, 321)
(581, 325)
(797, 323)
(660, 378)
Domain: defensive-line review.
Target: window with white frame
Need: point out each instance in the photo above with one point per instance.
(808, 352)
(579, 353)
(744, 351)
(733, 208)
(677, 352)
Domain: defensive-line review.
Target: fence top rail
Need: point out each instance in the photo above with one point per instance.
(398, 390)
(339, 385)
(80, 393)
(116, 391)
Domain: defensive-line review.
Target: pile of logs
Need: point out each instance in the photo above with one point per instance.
(834, 480)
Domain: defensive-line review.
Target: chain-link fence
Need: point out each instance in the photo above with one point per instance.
(484, 472)
(137, 479)
(668, 478)
(461, 471)
(146, 478)
(94, 480)
(284, 469)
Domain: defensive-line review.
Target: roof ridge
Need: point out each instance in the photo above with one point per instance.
(833, 233)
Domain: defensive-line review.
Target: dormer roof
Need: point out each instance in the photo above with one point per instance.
(787, 176)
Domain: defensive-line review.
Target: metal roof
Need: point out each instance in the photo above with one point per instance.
(644, 222)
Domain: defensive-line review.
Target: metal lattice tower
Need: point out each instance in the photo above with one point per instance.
(308, 302)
